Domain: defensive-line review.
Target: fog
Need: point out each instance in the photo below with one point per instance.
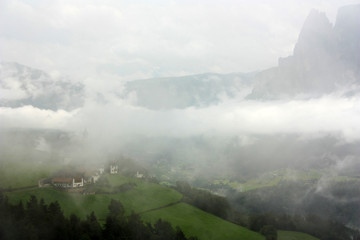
(234, 134)
(329, 114)
(92, 80)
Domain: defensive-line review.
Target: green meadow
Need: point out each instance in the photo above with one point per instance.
(195, 222)
(144, 196)
(150, 200)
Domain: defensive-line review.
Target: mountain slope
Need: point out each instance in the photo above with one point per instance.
(21, 85)
(187, 91)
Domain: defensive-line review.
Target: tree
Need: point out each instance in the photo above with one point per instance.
(269, 231)
(92, 227)
(116, 209)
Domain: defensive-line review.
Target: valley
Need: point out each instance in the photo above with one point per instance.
(174, 120)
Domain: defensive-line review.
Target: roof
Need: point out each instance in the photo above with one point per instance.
(78, 179)
(62, 180)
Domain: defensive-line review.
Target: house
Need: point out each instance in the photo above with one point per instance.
(139, 175)
(89, 176)
(95, 178)
(114, 169)
(68, 182)
(77, 182)
(44, 182)
(62, 182)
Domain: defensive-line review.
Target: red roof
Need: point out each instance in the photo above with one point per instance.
(78, 179)
(62, 180)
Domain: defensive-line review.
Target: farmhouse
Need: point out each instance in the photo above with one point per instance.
(68, 182)
(62, 182)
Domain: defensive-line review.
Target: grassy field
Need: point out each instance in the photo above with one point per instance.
(194, 221)
(143, 197)
(289, 235)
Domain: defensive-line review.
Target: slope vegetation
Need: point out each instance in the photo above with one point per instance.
(152, 201)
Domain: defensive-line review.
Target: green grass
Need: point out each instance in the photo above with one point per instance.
(195, 222)
(69, 202)
(289, 235)
(143, 197)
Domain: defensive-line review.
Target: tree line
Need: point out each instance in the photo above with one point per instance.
(38, 220)
(204, 200)
(268, 210)
(297, 206)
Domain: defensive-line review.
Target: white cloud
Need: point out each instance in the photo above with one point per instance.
(329, 114)
(107, 42)
(30, 117)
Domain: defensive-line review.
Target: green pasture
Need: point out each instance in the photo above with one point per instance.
(195, 222)
(144, 196)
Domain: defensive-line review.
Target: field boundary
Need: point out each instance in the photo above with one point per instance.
(18, 189)
(161, 207)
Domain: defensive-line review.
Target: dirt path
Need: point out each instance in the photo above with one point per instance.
(165, 206)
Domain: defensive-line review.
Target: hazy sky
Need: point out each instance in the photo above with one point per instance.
(104, 42)
(141, 39)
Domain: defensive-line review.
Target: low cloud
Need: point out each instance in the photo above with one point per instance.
(329, 114)
(31, 117)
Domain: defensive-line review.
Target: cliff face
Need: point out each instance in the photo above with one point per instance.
(326, 58)
(347, 35)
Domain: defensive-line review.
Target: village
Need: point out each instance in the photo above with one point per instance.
(76, 179)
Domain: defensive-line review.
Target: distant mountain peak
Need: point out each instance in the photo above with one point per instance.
(315, 33)
(326, 59)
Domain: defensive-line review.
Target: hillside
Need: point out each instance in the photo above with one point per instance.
(22, 85)
(188, 91)
(197, 222)
(143, 197)
(151, 200)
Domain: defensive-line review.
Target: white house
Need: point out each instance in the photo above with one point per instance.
(139, 175)
(95, 178)
(68, 182)
(114, 169)
(78, 182)
(62, 182)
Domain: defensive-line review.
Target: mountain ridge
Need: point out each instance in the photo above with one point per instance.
(21, 85)
(325, 59)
